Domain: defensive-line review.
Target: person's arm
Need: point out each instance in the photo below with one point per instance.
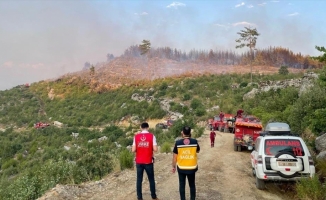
(198, 148)
(154, 144)
(174, 158)
(133, 149)
(174, 162)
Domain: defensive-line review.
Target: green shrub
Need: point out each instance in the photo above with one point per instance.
(197, 132)
(126, 159)
(195, 103)
(165, 148)
(163, 86)
(243, 84)
(186, 97)
(283, 70)
(311, 189)
(9, 163)
(321, 167)
(201, 111)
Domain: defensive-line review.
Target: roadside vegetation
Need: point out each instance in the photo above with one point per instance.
(35, 160)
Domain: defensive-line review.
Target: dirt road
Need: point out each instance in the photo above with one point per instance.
(223, 174)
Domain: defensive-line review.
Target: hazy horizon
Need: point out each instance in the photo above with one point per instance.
(46, 39)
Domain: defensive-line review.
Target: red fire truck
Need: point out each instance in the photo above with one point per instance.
(246, 130)
(219, 124)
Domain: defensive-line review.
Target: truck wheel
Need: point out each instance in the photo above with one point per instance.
(260, 184)
(226, 130)
(239, 148)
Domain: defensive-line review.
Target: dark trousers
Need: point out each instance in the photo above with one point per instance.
(182, 185)
(149, 168)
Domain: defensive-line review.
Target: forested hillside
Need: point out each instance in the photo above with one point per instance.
(34, 160)
(272, 56)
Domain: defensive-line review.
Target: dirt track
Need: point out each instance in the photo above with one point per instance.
(223, 174)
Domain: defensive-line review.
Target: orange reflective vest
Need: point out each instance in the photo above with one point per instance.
(187, 153)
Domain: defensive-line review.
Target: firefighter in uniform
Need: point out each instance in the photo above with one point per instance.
(185, 161)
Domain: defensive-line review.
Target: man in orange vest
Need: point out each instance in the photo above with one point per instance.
(143, 145)
(185, 159)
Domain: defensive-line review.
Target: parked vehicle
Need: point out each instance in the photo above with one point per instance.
(246, 129)
(231, 124)
(167, 124)
(280, 156)
(41, 125)
(219, 124)
(161, 126)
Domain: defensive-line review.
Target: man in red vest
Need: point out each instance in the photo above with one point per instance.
(143, 145)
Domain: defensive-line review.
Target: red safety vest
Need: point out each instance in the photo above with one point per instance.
(144, 148)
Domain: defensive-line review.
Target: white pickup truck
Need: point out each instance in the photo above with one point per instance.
(280, 156)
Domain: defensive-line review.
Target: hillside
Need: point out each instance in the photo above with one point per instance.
(83, 150)
(135, 71)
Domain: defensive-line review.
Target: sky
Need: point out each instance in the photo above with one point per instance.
(44, 39)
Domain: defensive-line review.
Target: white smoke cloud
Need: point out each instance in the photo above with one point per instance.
(46, 39)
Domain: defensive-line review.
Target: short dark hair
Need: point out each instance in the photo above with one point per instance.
(144, 125)
(186, 130)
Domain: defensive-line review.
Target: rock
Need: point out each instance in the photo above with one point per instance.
(66, 148)
(165, 104)
(321, 155)
(135, 120)
(302, 84)
(51, 94)
(311, 75)
(139, 98)
(101, 139)
(214, 108)
(251, 94)
(320, 143)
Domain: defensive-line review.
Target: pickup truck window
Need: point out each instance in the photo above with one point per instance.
(275, 146)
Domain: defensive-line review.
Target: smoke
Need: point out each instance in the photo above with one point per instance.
(63, 35)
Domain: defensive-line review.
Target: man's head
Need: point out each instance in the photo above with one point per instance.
(186, 130)
(144, 125)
